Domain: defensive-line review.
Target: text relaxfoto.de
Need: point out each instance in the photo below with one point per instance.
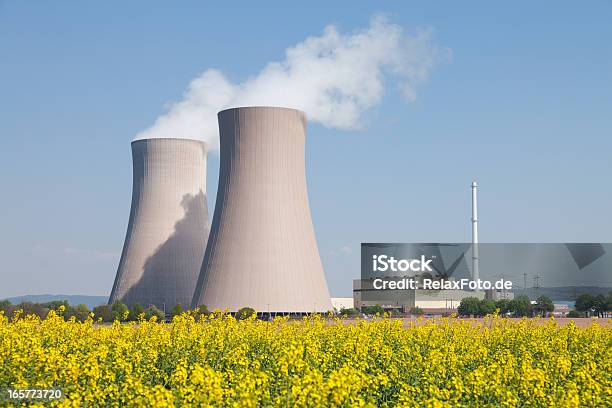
(439, 284)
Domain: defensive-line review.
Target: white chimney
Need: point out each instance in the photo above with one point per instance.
(475, 271)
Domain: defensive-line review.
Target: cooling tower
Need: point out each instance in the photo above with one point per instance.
(168, 226)
(262, 252)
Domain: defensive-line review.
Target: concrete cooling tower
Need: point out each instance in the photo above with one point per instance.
(168, 226)
(262, 252)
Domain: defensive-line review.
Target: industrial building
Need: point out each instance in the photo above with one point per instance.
(403, 300)
(262, 252)
(339, 303)
(168, 225)
(448, 261)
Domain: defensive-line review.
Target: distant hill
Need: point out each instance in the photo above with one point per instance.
(562, 293)
(90, 301)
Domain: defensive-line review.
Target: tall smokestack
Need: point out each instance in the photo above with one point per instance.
(475, 260)
(168, 226)
(262, 252)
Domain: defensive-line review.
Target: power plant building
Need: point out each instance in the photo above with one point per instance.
(262, 252)
(168, 226)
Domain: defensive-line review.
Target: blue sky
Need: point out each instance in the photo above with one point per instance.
(524, 106)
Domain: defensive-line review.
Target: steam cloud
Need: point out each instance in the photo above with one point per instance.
(334, 78)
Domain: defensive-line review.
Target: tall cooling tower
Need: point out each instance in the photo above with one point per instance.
(262, 251)
(168, 227)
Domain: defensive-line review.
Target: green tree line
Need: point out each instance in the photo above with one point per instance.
(595, 305)
(106, 313)
(518, 307)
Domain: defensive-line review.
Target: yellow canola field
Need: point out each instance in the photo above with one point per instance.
(220, 361)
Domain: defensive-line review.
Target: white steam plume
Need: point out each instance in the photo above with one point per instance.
(334, 78)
